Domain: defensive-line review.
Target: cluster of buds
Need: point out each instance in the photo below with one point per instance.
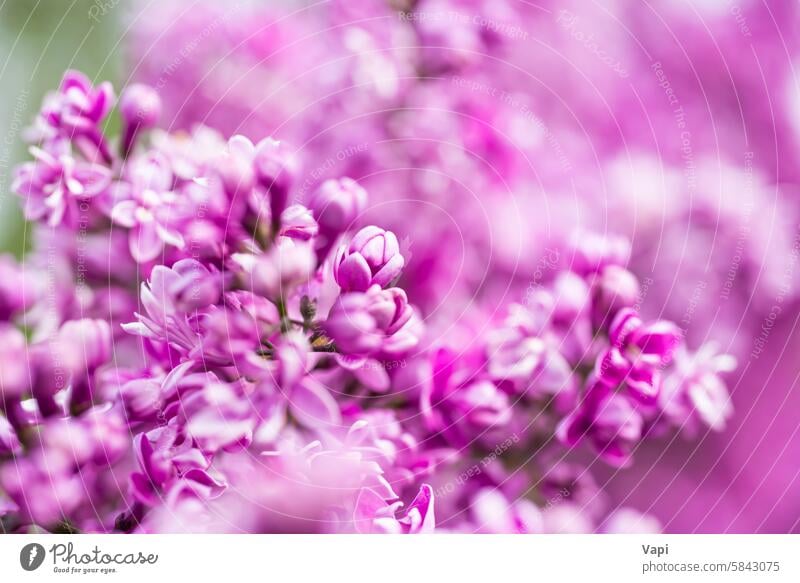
(271, 367)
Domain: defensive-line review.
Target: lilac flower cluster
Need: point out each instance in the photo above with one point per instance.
(189, 349)
(487, 111)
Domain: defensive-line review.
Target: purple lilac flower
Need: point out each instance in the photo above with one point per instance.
(85, 346)
(636, 354)
(252, 378)
(276, 169)
(75, 113)
(372, 257)
(282, 269)
(56, 184)
(695, 391)
(374, 515)
(163, 319)
(218, 416)
(609, 421)
(297, 222)
(362, 324)
(336, 205)
(149, 208)
(604, 166)
(140, 107)
(614, 288)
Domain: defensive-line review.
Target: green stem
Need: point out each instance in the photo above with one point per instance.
(286, 322)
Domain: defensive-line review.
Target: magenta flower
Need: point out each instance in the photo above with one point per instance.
(84, 346)
(140, 107)
(149, 208)
(195, 287)
(259, 384)
(694, 391)
(76, 110)
(54, 185)
(99, 437)
(218, 416)
(276, 169)
(352, 327)
(614, 288)
(43, 492)
(228, 337)
(142, 399)
(608, 421)
(514, 355)
(235, 167)
(163, 456)
(292, 355)
(372, 258)
(279, 271)
(48, 378)
(592, 252)
(297, 222)
(336, 205)
(166, 316)
(373, 514)
(481, 404)
(362, 323)
(637, 353)
(262, 175)
(78, 106)
(310, 402)
(629, 521)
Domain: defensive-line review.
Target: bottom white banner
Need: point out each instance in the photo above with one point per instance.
(354, 558)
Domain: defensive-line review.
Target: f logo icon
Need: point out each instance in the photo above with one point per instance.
(31, 556)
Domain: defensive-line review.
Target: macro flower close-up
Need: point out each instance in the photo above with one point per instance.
(399, 267)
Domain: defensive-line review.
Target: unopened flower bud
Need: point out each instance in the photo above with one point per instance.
(140, 108)
(614, 288)
(276, 169)
(336, 204)
(372, 258)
